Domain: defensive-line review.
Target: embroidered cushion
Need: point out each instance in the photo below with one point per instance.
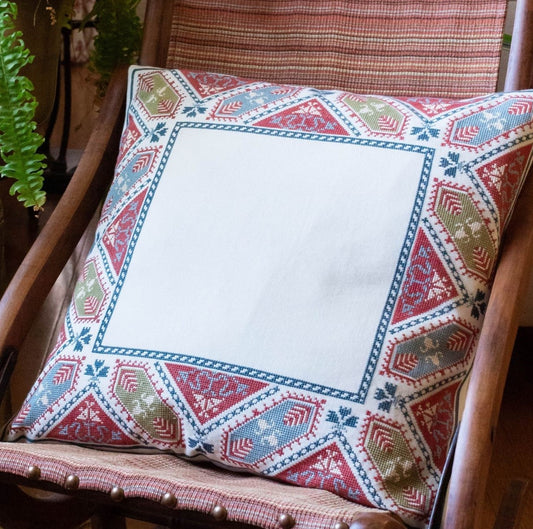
(288, 281)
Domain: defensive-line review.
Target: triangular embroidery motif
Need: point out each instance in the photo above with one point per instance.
(210, 393)
(130, 135)
(309, 116)
(435, 419)
(89, 423)
(117, 236)
(433, 106)
(207, 84)
(426, 284)
(502, 176)
(326, 469)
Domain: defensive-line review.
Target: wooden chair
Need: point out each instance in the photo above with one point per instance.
(65, 486)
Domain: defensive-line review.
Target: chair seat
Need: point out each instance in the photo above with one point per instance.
(197, 487)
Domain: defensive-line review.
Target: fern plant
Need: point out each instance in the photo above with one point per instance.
(19, 141)
(118, 40)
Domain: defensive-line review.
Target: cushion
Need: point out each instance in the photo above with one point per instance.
(289, 282)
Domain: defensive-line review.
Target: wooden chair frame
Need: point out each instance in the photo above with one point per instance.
(28, 289)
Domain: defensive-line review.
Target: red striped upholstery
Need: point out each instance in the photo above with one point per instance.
(395, 47)
(248, 499)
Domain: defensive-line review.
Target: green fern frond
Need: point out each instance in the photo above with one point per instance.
(18, 140)
(118, 40)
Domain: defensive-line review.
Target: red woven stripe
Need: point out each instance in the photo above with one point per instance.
(397, 47)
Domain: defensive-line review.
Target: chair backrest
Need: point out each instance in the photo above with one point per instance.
(392, 47)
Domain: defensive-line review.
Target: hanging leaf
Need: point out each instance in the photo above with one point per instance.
(118, 40)
(18, 139)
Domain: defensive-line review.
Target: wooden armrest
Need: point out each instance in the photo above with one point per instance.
(476, 434)
(47, 257)
(489, 372)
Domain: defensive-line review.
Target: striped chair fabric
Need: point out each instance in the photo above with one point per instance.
(393, 47)
(248, 499)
